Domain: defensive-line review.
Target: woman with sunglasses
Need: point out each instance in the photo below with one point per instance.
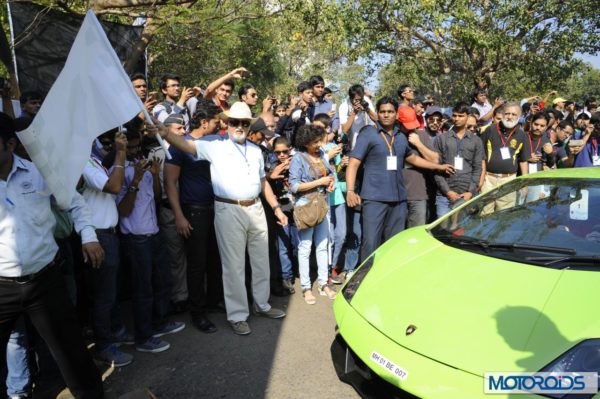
(310, 175)
(287, 236)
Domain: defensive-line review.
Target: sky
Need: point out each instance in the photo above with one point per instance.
(594, 59)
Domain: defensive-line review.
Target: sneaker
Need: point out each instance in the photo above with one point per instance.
(334, 280)
(288, 284)
(327, 290)
(153, 345)
(111, 355)
(123, 337)
(272, 313)
(309, 298)
(240, 327)
(349, 274)
(171, 327)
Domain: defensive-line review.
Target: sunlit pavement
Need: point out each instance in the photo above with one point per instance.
(286, 358)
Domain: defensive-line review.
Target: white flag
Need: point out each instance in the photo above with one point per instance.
(92, 94)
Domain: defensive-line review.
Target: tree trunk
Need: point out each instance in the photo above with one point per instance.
(149, 28)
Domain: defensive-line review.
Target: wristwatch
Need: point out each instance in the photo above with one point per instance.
(133, 189)
(278, 206)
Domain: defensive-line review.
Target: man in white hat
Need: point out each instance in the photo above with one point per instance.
(238, 178)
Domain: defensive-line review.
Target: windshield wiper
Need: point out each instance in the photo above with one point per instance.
(595, 260)
(515, 245)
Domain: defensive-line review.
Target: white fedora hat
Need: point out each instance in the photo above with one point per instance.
(239, 110)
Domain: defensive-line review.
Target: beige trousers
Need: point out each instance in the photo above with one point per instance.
(238, 227)
(508, 201)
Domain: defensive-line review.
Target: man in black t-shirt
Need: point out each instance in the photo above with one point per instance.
(505, 145)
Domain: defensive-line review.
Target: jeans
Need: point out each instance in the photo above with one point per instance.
(381, 221)
(444, 206)
(151, 283)
(18, 381)
(320, 234)
(353, 238)
(204, 274)
(337, 232)
(103, 283)
(44, 300)
(417, 213)
(287, 238)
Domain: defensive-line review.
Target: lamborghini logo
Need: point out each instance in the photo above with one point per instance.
(410, 329)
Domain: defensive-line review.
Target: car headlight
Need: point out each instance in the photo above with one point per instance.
(357, 278)
(583, 357)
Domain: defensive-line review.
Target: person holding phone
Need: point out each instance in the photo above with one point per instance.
(140, 86)
(150, 266)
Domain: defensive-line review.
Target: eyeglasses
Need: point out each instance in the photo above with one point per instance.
(432, 120)
(253, 95)
(284, 152)
(473, 128)
(237, 122)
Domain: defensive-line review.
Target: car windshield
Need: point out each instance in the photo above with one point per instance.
(537, 221)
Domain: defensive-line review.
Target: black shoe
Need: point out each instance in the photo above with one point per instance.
(278, 290)
(204, 325)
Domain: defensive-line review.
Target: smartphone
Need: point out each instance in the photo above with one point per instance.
(333, 106)
(245, 74)
(152, 95)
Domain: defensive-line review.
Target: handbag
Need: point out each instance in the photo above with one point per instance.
(315, 211)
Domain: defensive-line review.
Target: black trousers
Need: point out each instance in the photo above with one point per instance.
(204, 272)
(44, 300)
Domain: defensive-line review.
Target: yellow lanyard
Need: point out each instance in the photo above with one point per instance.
(389, 146)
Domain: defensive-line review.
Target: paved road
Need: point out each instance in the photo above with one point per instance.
(281, 359)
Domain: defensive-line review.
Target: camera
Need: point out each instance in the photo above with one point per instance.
(364, 104)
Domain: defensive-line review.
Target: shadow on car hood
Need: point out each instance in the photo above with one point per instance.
(469, 311)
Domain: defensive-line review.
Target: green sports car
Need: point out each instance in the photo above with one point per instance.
(507, 282)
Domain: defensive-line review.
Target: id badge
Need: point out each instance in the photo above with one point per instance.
(533, 168)
(596, 160)
(458, 163)
(392, 162)
(505, 153)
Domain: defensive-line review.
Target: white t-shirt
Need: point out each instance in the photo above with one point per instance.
(361, 119)
(235, 170)
(102, 205)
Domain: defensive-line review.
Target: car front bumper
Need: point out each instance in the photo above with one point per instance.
(352, 353)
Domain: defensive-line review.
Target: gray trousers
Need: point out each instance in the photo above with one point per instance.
(176, 247)
(238, 227)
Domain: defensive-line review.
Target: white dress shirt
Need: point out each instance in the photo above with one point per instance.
(104, 209)
(235, 169)
(27, 222)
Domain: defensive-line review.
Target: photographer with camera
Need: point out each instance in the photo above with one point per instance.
(355, 113)
(584, 147)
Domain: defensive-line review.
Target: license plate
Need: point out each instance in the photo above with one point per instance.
(388, 365)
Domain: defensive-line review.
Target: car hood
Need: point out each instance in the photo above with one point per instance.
(472, 312)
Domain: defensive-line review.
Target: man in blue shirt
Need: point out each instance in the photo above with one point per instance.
(322, 104)
(589, 153)
(189, 189)
(382, 150)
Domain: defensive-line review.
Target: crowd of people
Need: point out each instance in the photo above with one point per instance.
(247, 197)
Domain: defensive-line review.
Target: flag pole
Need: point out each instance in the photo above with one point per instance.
(160, 140)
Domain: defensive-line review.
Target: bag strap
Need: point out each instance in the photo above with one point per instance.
(315, 191)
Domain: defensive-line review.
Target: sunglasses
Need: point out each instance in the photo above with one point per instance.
(284, 152)
(472, 127)
(237, 122)
(434, 119)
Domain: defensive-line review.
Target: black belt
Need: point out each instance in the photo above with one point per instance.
(32, 276)
(245, 202)
(110, 230)
(197, 207)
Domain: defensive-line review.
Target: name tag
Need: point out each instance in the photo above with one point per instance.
(596, 160)
(533, 168)
(392, 162)
(458, 163)
(505, 153)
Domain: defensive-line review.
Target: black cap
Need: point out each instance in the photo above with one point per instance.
(260, 126)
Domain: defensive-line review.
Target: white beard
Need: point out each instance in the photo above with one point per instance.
(238, 137)
(509, 124)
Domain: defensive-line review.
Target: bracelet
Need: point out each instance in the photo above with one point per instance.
(278, 206)
(349, 191)
(119, 166)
